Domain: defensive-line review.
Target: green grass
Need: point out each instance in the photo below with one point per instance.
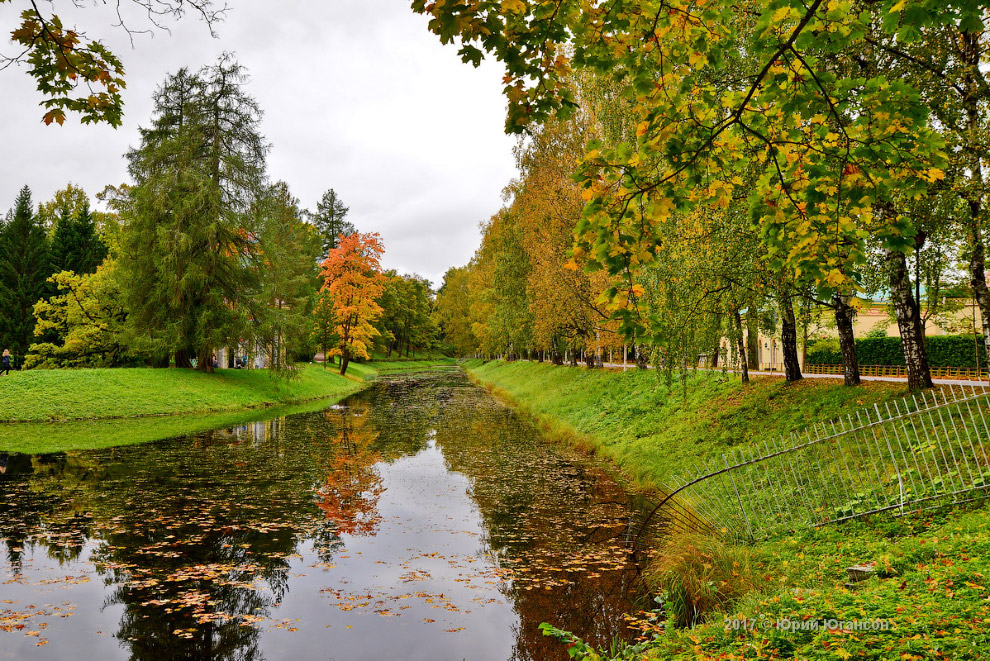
(932, 589)
(934, 584)
(48, 437)
(652, 432)
(58, 410)
(59, 395)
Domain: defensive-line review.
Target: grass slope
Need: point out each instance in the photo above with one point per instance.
(934, 571)
(58, 395)
(651, 431)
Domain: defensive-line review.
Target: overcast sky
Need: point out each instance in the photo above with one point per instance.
(358, 96)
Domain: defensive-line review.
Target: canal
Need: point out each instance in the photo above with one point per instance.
(419, 519)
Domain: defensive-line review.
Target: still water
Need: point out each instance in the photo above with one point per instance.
(420, 519)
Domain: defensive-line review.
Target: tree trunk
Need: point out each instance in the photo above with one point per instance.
(788, 339)
(204, 361)
(717, 348)
(573, 356)
(908, 322)
(741, 347)
(344, 360)
(977, 271)
(752, 340)
(847, 340)
(589, 360)
(555, 357)
(182, 358)
(642, 360)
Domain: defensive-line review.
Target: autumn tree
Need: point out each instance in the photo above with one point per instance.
(721, 91)
(189, 254)
(353, 280)
(452, 311)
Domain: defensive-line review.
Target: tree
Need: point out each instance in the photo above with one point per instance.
(329, 219)
(87, 317)
(288, 249)
(76, 74)
(353, 279)
(24, 270)
(76, 246)
(731, 100)
(452, 311)
(189, 254)
(324, 331)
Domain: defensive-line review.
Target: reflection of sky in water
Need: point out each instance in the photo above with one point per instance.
(428, 543)
(423, 585)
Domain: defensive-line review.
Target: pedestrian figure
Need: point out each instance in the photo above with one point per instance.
(5, 365)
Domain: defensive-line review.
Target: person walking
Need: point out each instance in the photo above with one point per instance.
(5, 365)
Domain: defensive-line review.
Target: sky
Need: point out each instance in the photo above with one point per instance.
(358, 96)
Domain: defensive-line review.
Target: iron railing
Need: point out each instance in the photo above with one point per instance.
(924, 451)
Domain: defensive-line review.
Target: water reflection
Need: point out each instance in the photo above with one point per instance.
(422, 520)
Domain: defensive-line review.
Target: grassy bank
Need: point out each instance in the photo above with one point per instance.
(57, 410)
(85, 394)
(932, 584)
(652, 432)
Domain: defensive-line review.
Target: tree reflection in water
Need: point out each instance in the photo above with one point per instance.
(195, 537)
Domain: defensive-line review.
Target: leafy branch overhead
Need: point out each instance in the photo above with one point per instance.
(81, 75)
(720, 91)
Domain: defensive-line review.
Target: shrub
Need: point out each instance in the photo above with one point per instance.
(943, 351)
(697, 575)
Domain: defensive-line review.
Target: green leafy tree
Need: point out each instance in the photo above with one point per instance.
(88, 318)
(330, 219)
(189, 253)
(453, 312)
(24, 269)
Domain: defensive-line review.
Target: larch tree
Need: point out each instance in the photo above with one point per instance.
(189, 253)
(353, 281)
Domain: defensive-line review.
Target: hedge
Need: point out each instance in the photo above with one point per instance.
(943, 351)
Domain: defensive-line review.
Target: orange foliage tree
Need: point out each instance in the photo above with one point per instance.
(352, 277)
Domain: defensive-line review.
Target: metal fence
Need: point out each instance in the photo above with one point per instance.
(927, 450)
(962, 373)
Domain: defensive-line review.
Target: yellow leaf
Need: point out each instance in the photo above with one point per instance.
(513, 6)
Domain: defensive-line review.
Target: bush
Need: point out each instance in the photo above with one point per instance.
(943, 351)
(697, 575)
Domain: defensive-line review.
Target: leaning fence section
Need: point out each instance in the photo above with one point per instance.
(927, 450)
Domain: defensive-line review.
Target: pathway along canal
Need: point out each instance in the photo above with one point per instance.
(420, 519)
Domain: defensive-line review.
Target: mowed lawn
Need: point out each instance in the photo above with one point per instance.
(57, 395)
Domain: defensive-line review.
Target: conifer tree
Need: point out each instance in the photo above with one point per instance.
(24, 268)
(76, 246)
(330, 220)
(190, 251)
